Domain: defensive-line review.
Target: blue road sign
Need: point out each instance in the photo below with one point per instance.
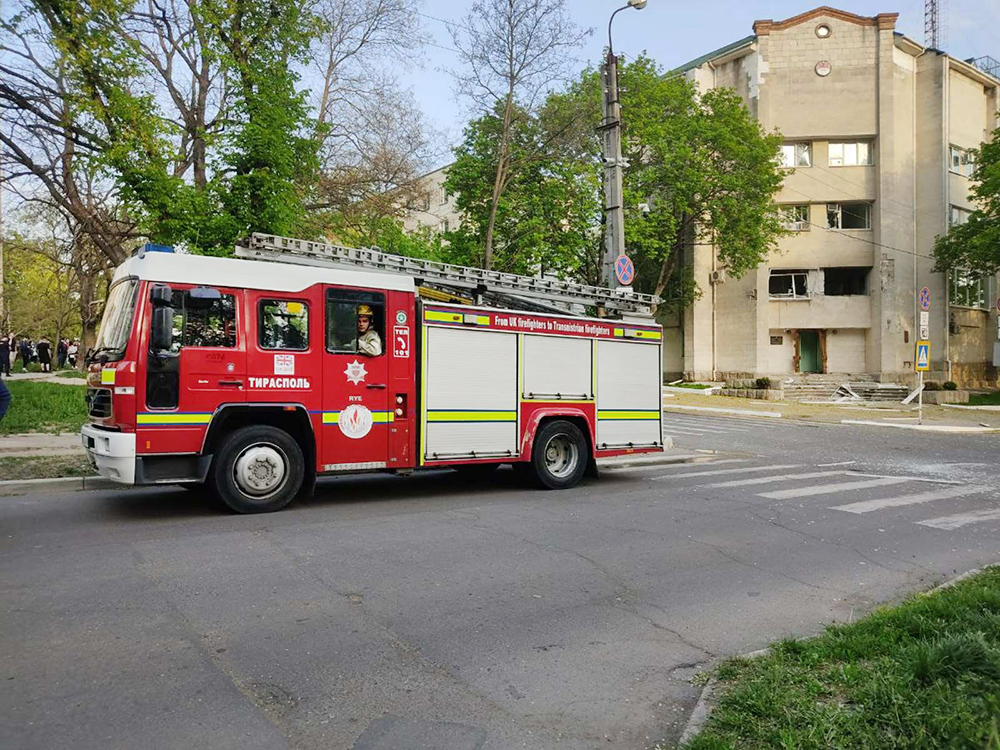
(923, 362)
(925, 299)
(624, 270)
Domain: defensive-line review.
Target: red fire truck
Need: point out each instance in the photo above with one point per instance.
(253, 377)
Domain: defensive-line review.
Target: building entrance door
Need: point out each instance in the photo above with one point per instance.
(809, 358)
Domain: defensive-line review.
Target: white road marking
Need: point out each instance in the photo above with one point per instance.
(829, 489)
(949, 523)
(779, 478)
(725, 471)
(839, 463)
(868, 506)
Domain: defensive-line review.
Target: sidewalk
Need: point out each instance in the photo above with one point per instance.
(41, 444)
(48, 377)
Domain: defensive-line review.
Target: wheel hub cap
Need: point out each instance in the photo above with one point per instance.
(259, 470)
(561, 456)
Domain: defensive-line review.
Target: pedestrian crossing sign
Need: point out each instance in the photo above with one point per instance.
(923, 361)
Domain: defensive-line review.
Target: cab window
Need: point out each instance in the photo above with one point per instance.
(344, 308)
(283, 324)
(203, 323)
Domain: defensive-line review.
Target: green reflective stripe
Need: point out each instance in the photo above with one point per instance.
(378, 417)
(628, 414)
(447, 415)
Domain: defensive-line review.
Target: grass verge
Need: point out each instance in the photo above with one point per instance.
(924, 674)
(44, 467)
(43, 407)
(984, 399)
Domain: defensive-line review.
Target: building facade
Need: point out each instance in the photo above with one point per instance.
(877, 130)
(436, 212)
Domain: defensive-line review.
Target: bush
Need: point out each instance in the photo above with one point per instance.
(763, 383)
(931, 385)
(951, 385)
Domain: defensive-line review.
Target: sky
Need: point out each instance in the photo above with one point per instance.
(675, 31)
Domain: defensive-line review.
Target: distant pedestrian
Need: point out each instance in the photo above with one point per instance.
(45, 354)
(24, 349)
(62, 349)
(71, 352)
(4, 398)
(4, 356)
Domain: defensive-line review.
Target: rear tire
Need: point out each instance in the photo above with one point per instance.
(257, 469)
(559, 455)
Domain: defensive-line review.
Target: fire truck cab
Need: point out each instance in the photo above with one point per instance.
(253, 378)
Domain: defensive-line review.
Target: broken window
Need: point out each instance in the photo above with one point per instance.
(788, 285)
(795, 218)
(795, 155)
(849, 215)
(839, 282)
(855, 154)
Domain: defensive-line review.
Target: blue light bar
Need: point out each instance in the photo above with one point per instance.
(151, 247)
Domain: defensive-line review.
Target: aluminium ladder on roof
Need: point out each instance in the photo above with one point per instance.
(288, 250)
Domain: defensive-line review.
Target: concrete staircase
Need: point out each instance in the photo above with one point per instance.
(822, 387)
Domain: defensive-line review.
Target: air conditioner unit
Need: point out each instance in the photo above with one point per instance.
(717, 277)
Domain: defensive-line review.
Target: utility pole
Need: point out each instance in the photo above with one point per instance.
(611, 127)
(614, 213)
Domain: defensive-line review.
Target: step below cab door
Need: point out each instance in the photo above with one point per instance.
(356, 413)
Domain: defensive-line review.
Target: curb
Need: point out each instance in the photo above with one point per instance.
(947, 428)
(706, 701)
(720, 410)
(65, 484)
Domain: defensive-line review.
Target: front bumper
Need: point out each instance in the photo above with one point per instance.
(111, 453)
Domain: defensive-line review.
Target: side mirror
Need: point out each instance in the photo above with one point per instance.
(161, 294)
(161, 330)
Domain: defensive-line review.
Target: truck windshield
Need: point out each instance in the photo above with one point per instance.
(116, 325)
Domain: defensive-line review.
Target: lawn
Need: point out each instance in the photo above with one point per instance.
(43, 407)
(924, 674)
(984, 399)
(38, 467)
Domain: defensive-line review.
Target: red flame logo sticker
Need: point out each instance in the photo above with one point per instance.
(355, 421)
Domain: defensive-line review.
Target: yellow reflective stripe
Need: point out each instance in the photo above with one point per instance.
(108, 377)
(619, 332)
(471, 416)
(628, 414)
(378, 417)
(644, 334)
(437, 316)
(176, 419)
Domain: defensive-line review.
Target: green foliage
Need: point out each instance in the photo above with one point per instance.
(951, 385)
(984, 399)
(763, 383)
(264, 162)
(932, 385)
(976, 244)
(545, 215)
(43, 407)
(923, 674)
(699, 167)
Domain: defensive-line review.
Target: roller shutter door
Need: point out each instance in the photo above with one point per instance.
(629, 394)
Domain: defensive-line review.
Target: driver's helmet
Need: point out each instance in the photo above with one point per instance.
(366, 311)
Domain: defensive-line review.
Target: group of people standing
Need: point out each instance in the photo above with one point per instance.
(65, 352)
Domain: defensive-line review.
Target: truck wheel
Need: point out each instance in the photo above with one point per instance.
(258, 469)
(559, 456)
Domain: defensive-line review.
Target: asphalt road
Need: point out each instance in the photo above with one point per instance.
(432, 613)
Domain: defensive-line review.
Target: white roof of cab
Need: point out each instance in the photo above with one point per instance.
(180, 268)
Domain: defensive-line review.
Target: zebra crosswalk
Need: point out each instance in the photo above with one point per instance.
(843, 490)
(698, 425)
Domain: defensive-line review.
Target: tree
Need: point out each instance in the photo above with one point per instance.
(975, 245)
(512, 52)
(541, 223)
(699, 165)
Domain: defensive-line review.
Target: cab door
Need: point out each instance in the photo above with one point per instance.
(356, 413)
(204, 368)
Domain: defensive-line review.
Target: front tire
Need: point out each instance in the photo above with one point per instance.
(559, 455)
(258, 469)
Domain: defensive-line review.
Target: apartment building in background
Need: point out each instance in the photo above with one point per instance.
(437, 212)
(877, 133)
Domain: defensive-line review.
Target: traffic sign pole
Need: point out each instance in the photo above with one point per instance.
(920, 398)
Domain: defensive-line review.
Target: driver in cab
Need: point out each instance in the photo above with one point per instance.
(369, 342)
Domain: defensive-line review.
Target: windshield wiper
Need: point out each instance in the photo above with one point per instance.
(93, 354)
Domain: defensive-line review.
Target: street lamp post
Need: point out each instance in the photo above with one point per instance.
(611, 127)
